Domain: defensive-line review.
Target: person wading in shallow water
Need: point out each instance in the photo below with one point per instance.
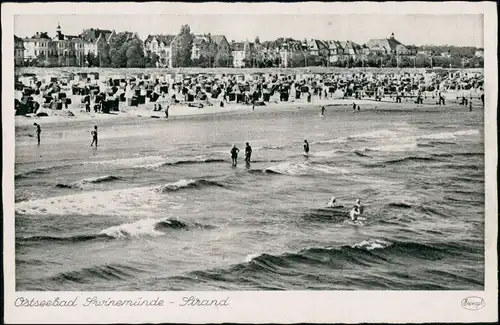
(38, 131)
(248, 153)
(234, 155)
(94, 136)
(306, 147)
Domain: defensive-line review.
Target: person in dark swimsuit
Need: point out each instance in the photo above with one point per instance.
(306, 147)
(38, 131)
(248, 153)
(94, 136)
(234, 155)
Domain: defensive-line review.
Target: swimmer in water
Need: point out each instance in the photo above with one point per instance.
(359, 206)
(354, 213)
(332, 203)
(356, 210)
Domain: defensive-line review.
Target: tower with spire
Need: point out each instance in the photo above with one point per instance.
(59, 35)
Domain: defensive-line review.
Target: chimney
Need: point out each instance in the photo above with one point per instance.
(392, 36)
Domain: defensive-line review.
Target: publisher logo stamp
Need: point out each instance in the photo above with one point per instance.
(473, 303)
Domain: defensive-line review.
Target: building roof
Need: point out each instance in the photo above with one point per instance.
(92, 34)
(237, 46)
(333, 45)
(38, 35)
(388, 44)
(217, 39)
(200, 39)
(165, 39)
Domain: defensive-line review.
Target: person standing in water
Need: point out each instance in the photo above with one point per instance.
(322, 110)
(248, 153)
(306, 147)
(356, 210)
(234, 155)
(38, 131)
(94, 136)
(166, 111)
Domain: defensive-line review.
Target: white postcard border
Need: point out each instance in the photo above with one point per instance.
(257, 306)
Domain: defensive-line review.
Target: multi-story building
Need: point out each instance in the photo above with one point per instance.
(201, 44)
(241, 52)
(389, 46)
(317, 47)
(95, 40)
(288, 48)
(38, 46)
(18, 51)
(335, 51)
(220, 45)
(161, 46)
(65, 48)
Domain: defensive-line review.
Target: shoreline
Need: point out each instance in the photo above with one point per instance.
(178, 111)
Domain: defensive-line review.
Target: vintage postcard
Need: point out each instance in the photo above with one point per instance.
(249, 163)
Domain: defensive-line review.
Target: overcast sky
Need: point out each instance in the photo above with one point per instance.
(465, 30)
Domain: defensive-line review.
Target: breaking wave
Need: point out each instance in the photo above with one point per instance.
(302, 169)
(138, 229)
(191, 183)
(93, 180)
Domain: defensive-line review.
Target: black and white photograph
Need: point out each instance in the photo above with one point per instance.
(230, 152)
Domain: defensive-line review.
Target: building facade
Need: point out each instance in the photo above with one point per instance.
(39, 46)
(18, 51)
(160, 45)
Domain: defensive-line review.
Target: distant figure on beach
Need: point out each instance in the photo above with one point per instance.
(234, 155)
(306, 147)
(358, 108)
(470, 106)
(94, 136)
(322, 110)
(482, 98)
(38, 131)
(354, 106)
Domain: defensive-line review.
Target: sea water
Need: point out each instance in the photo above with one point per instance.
(158, 205)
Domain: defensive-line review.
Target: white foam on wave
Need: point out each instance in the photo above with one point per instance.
(177, 185)
(145, 162)
(395, 147)
(372, 244)
(132, 201)
(140, 228)
(449, 135)
(250, 257)
(298, 169)
(375, 134)
(328, 154)
(330, 141)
